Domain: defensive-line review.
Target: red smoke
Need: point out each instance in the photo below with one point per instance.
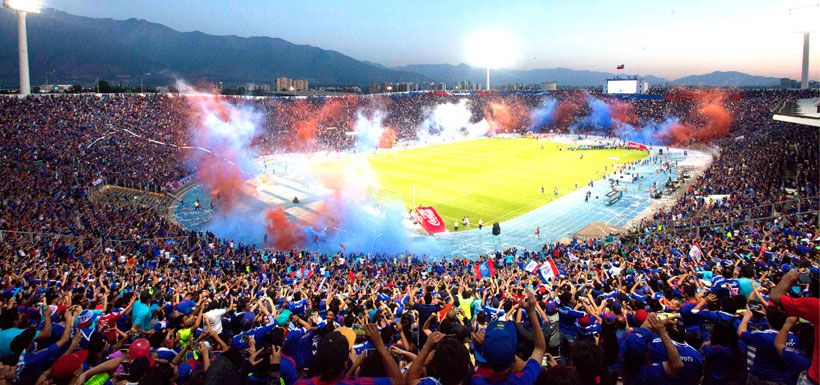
(567, 112)
(284, 235)
(216, 170)
(388, 138)
(507, 115)
(225, 180)
(710, 121)
(309, 118)
(623, 112)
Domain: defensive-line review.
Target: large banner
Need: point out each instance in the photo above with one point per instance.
(636, 146)
(176, 185)
(429, 220)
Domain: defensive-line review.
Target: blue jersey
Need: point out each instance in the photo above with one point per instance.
(527, 376)
(691, 357)
(720, 364)
(493, 314)
(298, 307)
(691, 322)
(566, 320)
(767, 363)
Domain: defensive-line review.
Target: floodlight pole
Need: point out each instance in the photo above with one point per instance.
(22, 50)
(488, 77)
(804, 76)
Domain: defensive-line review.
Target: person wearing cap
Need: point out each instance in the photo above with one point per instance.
(36, 362)
(637, 369)
(331, 362)
(498, 346)
(68, 367)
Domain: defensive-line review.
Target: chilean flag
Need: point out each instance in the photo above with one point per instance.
(485, 269)
(531, 266)
(548, 270)
(620, 67)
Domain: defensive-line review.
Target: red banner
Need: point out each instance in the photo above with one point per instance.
(429, 220)
(636, 146)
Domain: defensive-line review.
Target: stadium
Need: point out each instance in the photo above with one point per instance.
(621, 233)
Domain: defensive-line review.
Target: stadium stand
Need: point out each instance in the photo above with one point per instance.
(100, 291)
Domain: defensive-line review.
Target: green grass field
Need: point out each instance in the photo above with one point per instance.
(495, 179)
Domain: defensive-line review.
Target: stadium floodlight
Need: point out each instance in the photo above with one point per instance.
(490, 49)
(23, 7)
(803, 17)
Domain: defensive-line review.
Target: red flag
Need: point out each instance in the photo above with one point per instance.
(445, 309)
(620, 67)
(351, 276)
(343, 247)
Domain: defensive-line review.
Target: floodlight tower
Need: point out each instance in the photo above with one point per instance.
(23, 7)
(805, 18)
(490, 49)
(804, 75)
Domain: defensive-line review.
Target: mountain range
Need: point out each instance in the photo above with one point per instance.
(72, 48)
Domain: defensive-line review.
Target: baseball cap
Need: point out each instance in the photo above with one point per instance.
(283, 317)
(186, 306)
(349, 335)
(640, 316)
(67, 365)
(637, 341)
(500, 341)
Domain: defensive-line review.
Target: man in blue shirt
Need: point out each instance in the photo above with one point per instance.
(567, 315)
(498, 344)
(299, 304)
(767, 365)
(142, 312)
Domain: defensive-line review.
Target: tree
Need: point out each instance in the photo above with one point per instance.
(104, 87)
(75, 89)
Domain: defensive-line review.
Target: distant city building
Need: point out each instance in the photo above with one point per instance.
(283, 84)
(300, 85)
(264, 87)
(404, 87)
(549, 86)
(789, 83)
(644, 87)
(290, 85)
(466, 86)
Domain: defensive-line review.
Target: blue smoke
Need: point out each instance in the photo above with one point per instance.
(599, 118)
(648, 133)
(543, 115)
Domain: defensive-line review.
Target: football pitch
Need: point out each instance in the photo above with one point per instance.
(494, 179)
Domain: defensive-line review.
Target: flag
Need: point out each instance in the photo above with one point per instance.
(485, 269)
(531, 266)
(548, 270)
(695, 252)
(620, 67)
(351, 276)
(343, 247)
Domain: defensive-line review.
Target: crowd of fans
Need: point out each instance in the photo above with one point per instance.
(734, 301)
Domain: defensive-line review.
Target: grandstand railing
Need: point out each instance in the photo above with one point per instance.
(33, 237)
(787, 209)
